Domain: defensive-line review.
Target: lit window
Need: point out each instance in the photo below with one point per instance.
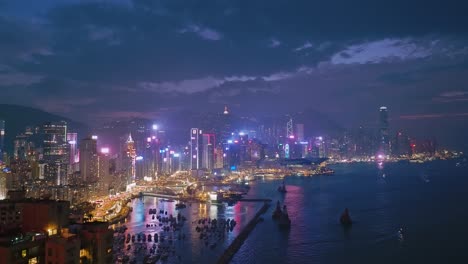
(24, 253)
(33, 261)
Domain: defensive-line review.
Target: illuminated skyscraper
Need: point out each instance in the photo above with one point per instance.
(88, 159)
(207, 151)
(73, 158)
(55, 152)
(131, 155)
(2, 139)
(383, 130)
(195, 148)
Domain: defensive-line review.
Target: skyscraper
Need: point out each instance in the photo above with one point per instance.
(88, 159)
(207, 151)
(299, 132)
(195, 149)
(131, 157)
(72, 139)
(383, 130)
(55, 152)
(2, 139)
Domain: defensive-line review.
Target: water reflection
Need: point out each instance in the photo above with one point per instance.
(192, 249)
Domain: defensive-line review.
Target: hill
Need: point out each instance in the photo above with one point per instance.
(17, 118)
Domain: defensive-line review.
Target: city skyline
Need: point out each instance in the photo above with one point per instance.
(97, 60)
(233, 131)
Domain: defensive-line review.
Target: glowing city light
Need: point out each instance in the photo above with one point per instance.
(155, 127)
(94, 137)
(105, 150)
(139, 158)
(72, 142)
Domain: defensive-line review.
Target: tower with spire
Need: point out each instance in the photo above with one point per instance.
(131, 155)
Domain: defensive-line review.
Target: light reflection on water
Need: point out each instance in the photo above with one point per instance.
(190, 250)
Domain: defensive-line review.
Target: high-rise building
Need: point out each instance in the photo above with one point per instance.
(401, 145)
(383, 130)
(131, 158)
(55, 152)
(299, 132)
(289, 128)
(3, 185)
(20, 147)
(207, 151)
(2, 139)
(73, 157)
(195, 148)
(88, 159)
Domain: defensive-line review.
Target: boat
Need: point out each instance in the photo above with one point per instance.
(282, 188)
(284, 221)
(345, 219)
(277, 213)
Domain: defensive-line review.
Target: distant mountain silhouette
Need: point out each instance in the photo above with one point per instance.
(17, 118)
(317, 123)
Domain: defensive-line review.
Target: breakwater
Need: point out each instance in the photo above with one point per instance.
(228, 254)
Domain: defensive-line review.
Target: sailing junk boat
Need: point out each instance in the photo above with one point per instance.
(282, 188)
(345, 219)
(277, 213)
(284, 220)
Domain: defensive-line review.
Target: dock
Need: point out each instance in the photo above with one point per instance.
(229, 253)
(255, 200)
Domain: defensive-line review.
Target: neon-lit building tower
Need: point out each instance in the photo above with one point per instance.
(289, 138)
(194, 148)
(73, 157)
(383, 131)
(131, 154)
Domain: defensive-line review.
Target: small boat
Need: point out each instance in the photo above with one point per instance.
(345, 219)
(282, 188)
(277, 213)
(284, 221)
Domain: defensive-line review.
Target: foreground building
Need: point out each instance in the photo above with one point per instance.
(34, 231)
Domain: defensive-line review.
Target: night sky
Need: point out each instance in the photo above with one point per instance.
(97, 60)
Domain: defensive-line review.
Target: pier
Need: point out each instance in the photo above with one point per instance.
(158, 195)
(229, 253)
(255, 200)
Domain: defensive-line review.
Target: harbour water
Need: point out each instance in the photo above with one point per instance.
(402, 213)
(192, 249)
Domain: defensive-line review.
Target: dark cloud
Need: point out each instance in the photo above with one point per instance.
(346, 58)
